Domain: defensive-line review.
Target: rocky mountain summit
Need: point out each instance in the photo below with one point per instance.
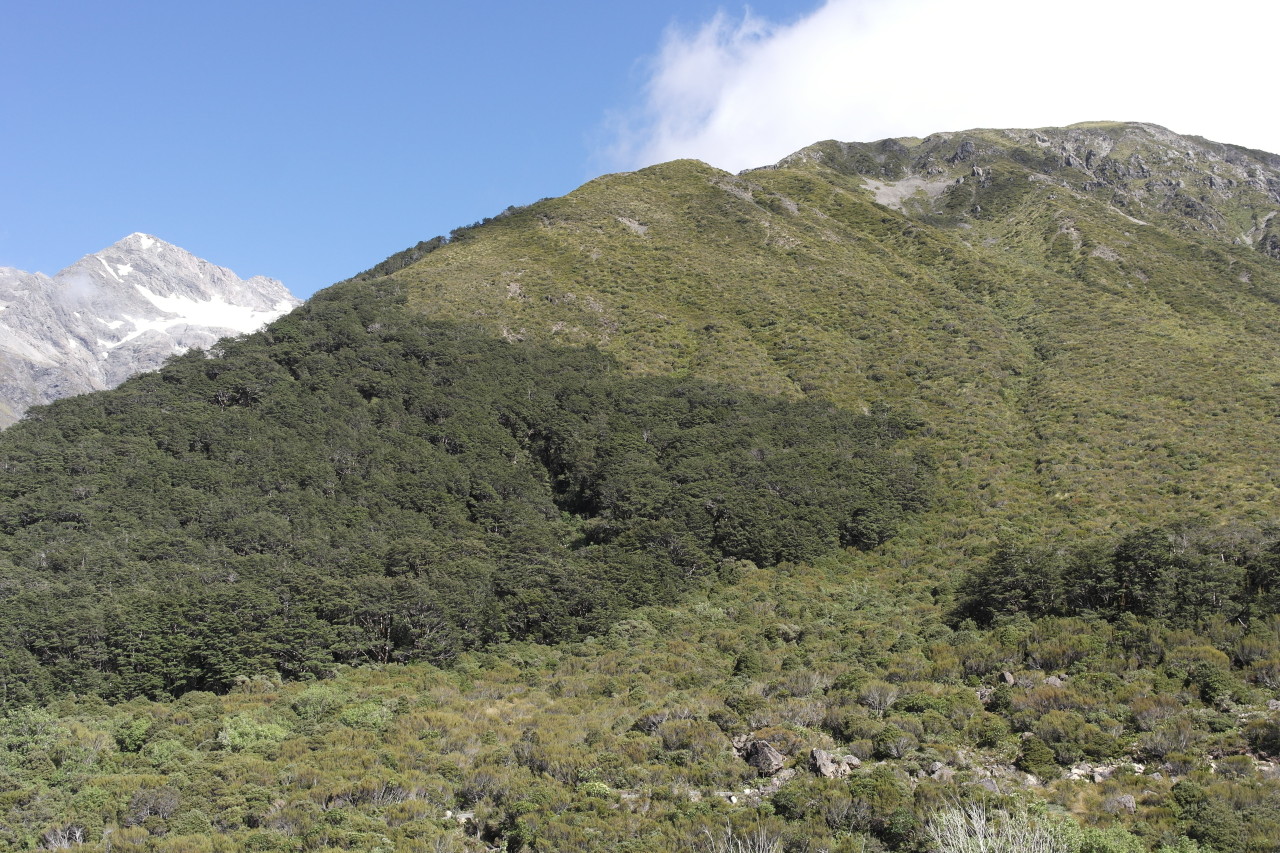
(1141, 170)
(115, 313)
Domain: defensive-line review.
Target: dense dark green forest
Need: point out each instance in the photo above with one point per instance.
(355, 484)
(1183, 575)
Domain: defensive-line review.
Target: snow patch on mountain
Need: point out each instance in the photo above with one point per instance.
(215, 311)
(107, 267)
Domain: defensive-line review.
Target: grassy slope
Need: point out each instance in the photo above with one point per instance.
(1078, 370)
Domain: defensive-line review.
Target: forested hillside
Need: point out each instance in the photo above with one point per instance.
(358, 484)
(825, 507)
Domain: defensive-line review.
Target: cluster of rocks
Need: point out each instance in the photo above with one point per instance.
(770, 764)
(779, 759)
(769, 761)
(831, 766)
(1023, 679)
(1098, 773)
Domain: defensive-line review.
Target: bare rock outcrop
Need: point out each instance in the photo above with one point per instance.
(763, 757)
(832, 766)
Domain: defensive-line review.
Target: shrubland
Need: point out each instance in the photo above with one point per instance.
(1138, 736)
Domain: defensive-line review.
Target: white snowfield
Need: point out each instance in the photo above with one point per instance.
(217, 311)
(116, 313)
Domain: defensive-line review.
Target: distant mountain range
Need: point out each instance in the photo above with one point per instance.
(115, 313)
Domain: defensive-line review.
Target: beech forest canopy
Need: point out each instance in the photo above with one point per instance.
(1185, 574)
(357, 484)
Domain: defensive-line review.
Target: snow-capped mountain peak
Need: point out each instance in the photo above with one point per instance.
(117, 312)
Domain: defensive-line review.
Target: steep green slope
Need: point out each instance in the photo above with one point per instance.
(1075, 370)
(1078, 368)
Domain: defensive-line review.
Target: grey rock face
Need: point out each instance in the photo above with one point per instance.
(1144, 171)
(764, 758)
(116, 313)
(832, 766)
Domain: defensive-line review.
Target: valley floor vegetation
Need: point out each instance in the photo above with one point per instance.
(1054, 733)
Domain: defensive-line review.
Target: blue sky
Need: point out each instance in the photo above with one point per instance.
(305, 140)
(308, 140)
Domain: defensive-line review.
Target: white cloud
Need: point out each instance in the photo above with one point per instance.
(741, 91)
